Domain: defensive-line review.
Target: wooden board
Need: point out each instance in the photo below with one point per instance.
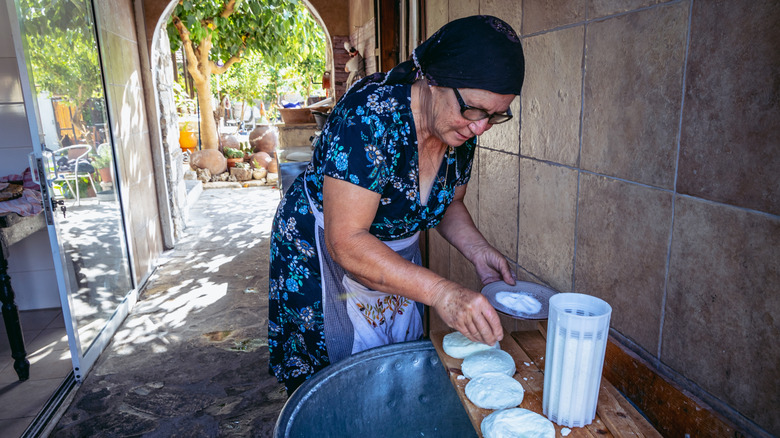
(614, 417)
(675, 411)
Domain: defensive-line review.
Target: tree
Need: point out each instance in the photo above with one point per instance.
(215, 34)
(63, 53)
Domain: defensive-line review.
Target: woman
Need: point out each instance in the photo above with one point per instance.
(393, 158)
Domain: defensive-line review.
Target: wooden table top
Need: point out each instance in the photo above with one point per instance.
(615, 416)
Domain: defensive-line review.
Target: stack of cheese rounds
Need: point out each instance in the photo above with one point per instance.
(493, 387)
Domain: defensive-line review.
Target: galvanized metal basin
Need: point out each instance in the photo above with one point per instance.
(399, 390)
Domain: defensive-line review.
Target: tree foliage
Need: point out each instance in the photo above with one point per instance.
(62, 50)
(215, 34)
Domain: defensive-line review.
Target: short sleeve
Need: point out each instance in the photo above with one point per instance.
(356, 146)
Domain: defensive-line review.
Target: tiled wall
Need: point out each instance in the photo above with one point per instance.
(645, 169)
(30, 262)
(119, 49)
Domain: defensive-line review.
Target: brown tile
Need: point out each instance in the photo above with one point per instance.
(16, 426)
(539, 15)
(721, 327)
(439, 254)
(602, 8)
(506, 136)
(507, 10)
(731, 121)
(548, 204)
(463, 8)
(622, 240)
(436, 14)
(28, 397)
(498, 175)
(463, 272)
(633, 90)
(552, 96)
(10, 83)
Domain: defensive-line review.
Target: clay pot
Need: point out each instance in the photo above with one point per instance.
(231, 162)
(264, 138)
(210, 159)
(266, 161)
(228, 141)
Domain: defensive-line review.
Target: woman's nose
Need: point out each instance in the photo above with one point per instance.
(479, 126)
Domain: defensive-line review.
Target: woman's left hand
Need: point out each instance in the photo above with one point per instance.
(492, 266)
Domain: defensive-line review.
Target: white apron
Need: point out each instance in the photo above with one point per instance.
(358, 318)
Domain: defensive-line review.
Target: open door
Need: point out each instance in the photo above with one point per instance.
(74, 159)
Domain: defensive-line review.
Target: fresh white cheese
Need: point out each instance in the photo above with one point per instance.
(459, 346)
(488, 361)
(516, 423)
(495, 391)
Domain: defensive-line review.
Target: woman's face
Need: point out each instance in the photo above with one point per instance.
(448, 123)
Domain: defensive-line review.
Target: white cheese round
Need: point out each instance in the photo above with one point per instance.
(495, 391)
(516, 423)
(459, 346)
(488, 361)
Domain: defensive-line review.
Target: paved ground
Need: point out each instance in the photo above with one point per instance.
(191, 359)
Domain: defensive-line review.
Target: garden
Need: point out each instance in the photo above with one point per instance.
(241, 66)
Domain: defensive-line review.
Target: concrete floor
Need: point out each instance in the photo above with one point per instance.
(191, 359)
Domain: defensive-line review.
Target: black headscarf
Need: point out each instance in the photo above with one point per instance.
(480, 51)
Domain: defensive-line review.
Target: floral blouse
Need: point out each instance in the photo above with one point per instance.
(370, 141)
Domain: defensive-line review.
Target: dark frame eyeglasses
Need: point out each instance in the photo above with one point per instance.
(474, 114)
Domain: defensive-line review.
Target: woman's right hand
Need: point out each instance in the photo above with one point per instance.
(468, 312)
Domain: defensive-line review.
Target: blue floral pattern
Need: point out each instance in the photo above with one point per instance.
(370, 141)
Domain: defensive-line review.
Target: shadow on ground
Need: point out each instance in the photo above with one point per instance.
(192, 359)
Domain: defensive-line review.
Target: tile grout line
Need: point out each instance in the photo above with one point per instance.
(670, 241)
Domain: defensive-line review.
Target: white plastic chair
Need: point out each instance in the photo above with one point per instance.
(68, 175)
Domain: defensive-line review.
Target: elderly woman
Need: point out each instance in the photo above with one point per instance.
(394, 158)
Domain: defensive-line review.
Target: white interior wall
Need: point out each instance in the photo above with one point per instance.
(30, 263)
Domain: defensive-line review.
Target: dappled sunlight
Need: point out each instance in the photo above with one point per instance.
(96, 263)
(216, 260)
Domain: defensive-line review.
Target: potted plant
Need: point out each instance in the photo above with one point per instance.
(102, 162)
(233, 156)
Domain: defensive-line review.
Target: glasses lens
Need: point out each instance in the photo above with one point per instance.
(496, 119)
(474, 114)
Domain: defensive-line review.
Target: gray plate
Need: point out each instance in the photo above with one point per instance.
(541, 293)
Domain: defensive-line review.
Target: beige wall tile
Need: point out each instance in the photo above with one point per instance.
(13, 125)
(731, 123)
(463, 8)
(10, 83)
(504, 137)
(552, 96)
(622, 245)
(498, 175)
(548, 205)
(472, 190)
(6, 40)
(721, 327)
(633, 91)
(439, 254)
(436, 14)
(510, 11)
(539, 15)
(602, 8)
(463, 272)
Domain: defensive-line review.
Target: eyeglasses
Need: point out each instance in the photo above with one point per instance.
(475, 114)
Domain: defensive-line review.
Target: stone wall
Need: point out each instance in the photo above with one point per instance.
(644, 169)
(162, 69)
